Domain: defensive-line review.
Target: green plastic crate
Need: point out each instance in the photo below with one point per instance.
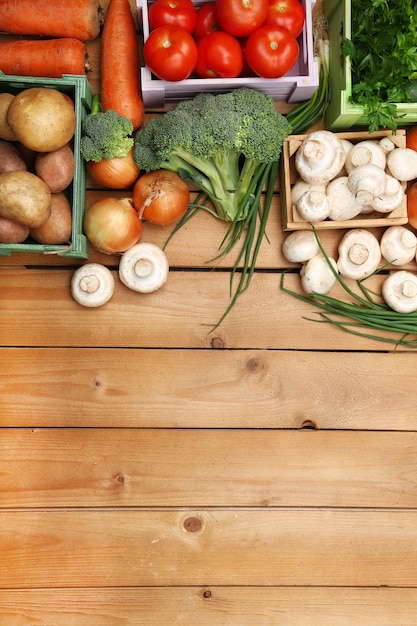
(78, 89)
(343, 114)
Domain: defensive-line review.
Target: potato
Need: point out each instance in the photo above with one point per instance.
(24, 198)
(5, 130)
(10, 157)
(42, 119)
(58, 227)
(12, 232)
(56, 168)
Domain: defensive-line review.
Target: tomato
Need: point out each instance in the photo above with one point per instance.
(219, 55)
(240, 18)
(170, 53)
(411, 138)
(412, 205)
(206, 20)
(271, 51)
(289, 14)
(175, 13)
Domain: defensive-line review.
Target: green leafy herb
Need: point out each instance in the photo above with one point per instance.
(383, 55)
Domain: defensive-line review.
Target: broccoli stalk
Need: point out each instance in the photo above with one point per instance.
(106, 135)
(218, 142)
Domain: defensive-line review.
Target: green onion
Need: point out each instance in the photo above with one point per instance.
(361, 315)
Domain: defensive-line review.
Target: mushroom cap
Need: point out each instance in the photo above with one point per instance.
(392, 198)
(320, 157)
(92, 285)
(399, 291)
(313, 206)
(317, 276)
(366, 151)
(342, 202)
(300, 246)
(398, 245)
(359, 254)
(366, 182)
(144, 268)
(402, 163)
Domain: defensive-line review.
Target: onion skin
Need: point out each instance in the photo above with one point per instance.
(161, 197)
(116, 173)
(112, 225)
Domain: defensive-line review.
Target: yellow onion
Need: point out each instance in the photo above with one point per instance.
(112, 225)
(161, 197)
(116, 173)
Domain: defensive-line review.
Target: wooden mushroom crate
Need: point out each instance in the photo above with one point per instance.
(291, 220)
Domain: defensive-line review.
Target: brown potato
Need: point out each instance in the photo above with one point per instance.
(10, 157)
(12, 232)
(24, 198)
(56, 168)
(42, 119)
(6, 131)
(58, 227)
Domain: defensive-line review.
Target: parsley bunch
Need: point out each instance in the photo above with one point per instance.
(383, 54)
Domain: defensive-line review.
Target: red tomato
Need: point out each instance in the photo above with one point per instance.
(206, 20)
(219, 55)
(411, 138)
(271, 51)
(170, 53)
(412, 205)
(287, 13)
(175, 13)
(240, 18)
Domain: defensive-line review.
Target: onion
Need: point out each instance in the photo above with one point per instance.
(161, 197)
(112, 225)
(116, 173)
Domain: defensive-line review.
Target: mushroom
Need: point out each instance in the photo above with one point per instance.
(399, 291)
(359, 254)
(301, 186)
(317, 276)
(144, 268)
(342, 202)
(313, 206)
(92, 285)
(363, 152)
(320, 157)
(367, 182)
(402, 163)
(391, 199)
(300, 246)
(398, 245)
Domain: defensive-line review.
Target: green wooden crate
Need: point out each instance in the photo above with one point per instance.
(343, 114)
(78, 89)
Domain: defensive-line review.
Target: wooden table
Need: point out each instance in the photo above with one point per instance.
(154, 472)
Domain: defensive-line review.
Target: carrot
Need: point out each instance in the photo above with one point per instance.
(49, 57)
(120, 66)
(80, 19)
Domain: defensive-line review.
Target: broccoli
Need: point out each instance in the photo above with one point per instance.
(221, 143)
(106, 134)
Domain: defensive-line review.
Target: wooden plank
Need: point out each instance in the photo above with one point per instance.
(205, 606)
(96, 387)
(171, 468)
(237, 547)
(182, 313)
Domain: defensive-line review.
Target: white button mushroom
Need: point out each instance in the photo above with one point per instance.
(367, 182)
(366, 151)
(398, 245)
(320, 157)
(300, 246)
(399, 291)
(402, 163)
(317, 276)
(391, 199)
(342, 202)
(144, 268)
(301, 186)
(359, 254)
(92, 285)
(313, 206)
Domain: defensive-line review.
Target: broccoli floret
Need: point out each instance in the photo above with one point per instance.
(106, 135)
(219, 142)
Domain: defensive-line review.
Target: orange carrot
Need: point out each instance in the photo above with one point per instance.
(120, 66)
(80, 19)
(49, 57)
